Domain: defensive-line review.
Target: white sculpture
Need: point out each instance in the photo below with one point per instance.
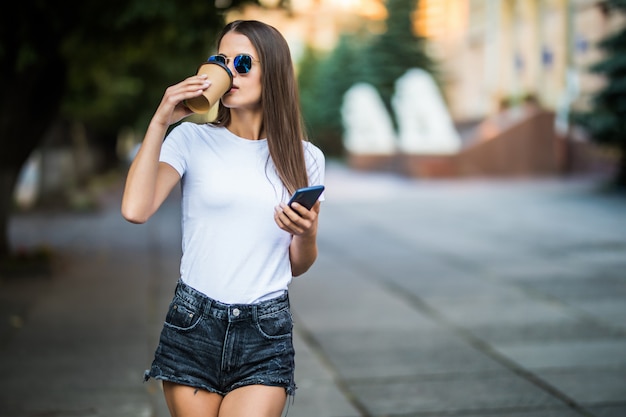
(367, 125)
(28, 183)
(424, 123)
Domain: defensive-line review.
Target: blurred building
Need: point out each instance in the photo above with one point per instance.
(494, 50)
(512, 70)
(490, 50)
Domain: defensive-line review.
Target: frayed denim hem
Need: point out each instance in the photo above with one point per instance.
(289, 386)
(182, 381)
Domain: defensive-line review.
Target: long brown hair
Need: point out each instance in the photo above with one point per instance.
(282, 119)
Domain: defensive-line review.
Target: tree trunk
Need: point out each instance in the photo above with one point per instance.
(620, 177)
(22, 128)
(8, 178)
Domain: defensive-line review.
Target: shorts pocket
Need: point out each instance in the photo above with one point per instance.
(181, 316)
(276, 325)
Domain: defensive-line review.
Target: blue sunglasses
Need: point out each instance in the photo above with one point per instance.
(241, 62)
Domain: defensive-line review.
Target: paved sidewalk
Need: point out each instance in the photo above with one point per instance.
(430, 298)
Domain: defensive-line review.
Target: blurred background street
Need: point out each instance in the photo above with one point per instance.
(472, 245)
(466, 298)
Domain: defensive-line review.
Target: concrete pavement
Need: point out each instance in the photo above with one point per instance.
(430, 298)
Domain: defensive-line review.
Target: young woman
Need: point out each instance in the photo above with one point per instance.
(226, 345)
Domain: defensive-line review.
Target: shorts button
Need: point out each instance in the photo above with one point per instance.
(236, 312)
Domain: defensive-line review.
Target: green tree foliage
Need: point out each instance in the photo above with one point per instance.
(397, 50)
(606, 120)
(323, 80)
(104, 64)
(126, 52)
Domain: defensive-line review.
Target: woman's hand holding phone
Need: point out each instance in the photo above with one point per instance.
(307, 196)
(299, 215)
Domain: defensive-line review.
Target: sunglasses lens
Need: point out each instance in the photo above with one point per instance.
(243, 63)
(217, 58)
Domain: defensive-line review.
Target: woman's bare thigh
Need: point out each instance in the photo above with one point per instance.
(186, 401)
(254, 401)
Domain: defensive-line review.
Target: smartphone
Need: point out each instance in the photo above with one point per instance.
(307, 196)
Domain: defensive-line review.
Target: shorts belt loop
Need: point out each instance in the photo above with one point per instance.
(208, 305)
(254, 312)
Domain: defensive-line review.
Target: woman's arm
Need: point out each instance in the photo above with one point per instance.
(149, 181)
(302, 224)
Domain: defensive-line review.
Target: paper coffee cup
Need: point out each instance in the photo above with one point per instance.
(221, 82)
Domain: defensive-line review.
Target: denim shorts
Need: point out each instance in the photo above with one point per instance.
(220, 347)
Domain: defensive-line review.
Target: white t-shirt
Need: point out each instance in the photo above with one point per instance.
(233, 251)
